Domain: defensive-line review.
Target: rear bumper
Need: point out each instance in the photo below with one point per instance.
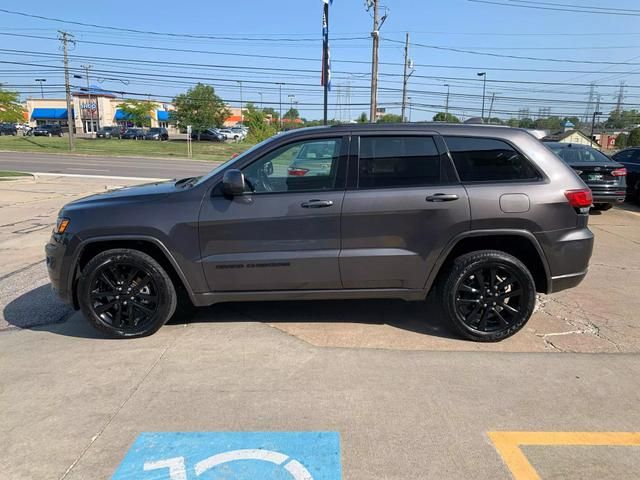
(568, 253)
(614, 197)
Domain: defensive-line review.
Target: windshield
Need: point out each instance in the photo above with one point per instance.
(579, 154)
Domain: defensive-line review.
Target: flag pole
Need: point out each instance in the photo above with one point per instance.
(325, 60)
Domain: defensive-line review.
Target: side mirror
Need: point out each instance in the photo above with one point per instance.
(233, 182)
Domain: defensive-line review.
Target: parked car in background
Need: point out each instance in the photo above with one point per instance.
(242, 132)
(312, 159)
(8, 129)
(630, 158)
(110, 132)
(230, 135)
(157, 133)
(133, 134)
(209, 135)
(486, 214)
(605, 177)
(47, 131)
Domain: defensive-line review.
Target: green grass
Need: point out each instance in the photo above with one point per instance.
(9, 175)
(124, 148)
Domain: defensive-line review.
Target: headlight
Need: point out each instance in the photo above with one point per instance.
(61, 225)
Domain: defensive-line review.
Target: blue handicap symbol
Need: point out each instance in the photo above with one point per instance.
(232, 455)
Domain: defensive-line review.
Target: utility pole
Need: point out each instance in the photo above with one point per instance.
(446, 104)
(484, 89)
(65, 39)
(241, 115)
(405, 78)
(493, 96)
(375, 34)
(261, 103)
(325, 61)
(40, 81)
(280, 85)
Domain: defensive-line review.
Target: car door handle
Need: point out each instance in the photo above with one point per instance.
(442, 197)
(317, 204)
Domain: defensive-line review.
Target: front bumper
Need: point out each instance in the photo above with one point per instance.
(58, 267)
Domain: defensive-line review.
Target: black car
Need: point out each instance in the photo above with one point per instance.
(8, 129)
(209, 135)
(157, 133)
(48, 131)
(605, 177)
(630, 158)
(133, 134)
(110, 132)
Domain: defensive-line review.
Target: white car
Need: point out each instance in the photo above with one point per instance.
(230, 134)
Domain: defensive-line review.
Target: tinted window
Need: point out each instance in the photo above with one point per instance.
(486, 159)
(398, 162)
(301, 166)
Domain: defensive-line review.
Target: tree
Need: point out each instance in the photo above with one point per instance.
(390, 118)
(621, 140)
(445, 117)
(553, 124)
(634, 138)
(619, 119)
(256, 121)
(362, 118)
(10, 107)
(291, 114)
(273, 112)
(137, 112)
(201, 108)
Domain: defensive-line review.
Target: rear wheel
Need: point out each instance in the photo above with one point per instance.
(488, 295)
(126, 293)
(603, 206)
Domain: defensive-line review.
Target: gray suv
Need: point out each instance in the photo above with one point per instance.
(486, 214)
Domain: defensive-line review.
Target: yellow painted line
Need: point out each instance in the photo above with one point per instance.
(508, 446)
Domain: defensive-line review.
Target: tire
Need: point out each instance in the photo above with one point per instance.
(503, 314)
(153, 296)
(603, 207)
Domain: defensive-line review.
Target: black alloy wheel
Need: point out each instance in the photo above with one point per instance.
(489, 295)
(126, 293)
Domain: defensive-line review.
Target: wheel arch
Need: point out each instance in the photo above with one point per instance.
(520, 243)
(149, 245)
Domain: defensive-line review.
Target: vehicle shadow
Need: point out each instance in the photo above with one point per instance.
(39, 309)
(425, 318)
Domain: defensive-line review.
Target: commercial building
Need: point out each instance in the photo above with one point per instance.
(92, 110)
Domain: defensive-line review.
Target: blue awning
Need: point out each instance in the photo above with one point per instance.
(163, 116)
(120, 115)
(49, 114)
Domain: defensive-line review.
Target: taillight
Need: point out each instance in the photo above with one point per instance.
(579, 198)
(298, 172)
(619, 172)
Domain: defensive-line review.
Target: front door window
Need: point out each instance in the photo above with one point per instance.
(310, 165)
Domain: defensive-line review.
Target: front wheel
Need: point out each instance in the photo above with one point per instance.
(126, 293)
(488, 295)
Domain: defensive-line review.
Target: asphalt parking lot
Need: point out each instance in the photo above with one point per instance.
(405, 396)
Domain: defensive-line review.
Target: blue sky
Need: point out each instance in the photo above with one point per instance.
(292, 28)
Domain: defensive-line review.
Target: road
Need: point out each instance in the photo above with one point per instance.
(104, 166)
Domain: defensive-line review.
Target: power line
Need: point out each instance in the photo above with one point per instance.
(561, 8)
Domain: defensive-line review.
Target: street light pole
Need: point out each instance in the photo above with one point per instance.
(446, 105)
(40, 81)
(593, 123)
(484, 89)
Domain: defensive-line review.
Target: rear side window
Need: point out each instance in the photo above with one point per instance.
(398, 162)
(487, 159)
